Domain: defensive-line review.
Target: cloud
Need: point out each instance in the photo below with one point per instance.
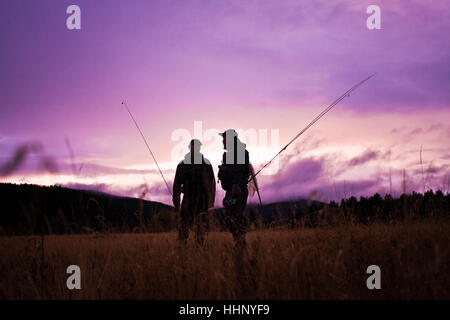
(27, 160)
(344, 189)
(303, 171)
(301, 44)
(296, 179)
(367, 156)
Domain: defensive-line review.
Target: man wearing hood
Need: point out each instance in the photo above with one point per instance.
(194, 178)
(234, 173)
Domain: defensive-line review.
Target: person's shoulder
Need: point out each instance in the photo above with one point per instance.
(206, 161)
(180, 165)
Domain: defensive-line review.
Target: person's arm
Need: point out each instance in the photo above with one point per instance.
(241, 172)
(177, 188)
(212, 183)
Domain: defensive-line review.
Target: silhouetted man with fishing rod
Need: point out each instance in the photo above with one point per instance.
(234, 173)
(194, 178)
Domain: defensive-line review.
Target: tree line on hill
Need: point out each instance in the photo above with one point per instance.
(32, 209)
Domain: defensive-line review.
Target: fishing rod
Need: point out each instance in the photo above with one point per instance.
(148, 147)
(335, 102)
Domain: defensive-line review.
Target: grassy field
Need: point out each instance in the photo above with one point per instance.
(320, 263)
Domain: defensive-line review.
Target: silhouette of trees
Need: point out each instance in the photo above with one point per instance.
(31, 209)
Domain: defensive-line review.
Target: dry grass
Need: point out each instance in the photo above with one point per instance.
(322, 263)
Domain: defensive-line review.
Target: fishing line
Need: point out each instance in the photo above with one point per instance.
(335, 102)
(148, 147)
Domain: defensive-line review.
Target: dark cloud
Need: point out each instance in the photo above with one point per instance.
(304, 171)
(367, 156)
(415, 131)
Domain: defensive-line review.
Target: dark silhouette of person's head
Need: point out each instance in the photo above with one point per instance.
(236, 152)
(229, 137)
(194, 156)
(195, 146)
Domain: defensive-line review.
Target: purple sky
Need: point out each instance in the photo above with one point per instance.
(230, 64)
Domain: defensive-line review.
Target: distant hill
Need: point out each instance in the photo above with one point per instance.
(32, 209)
(278, 213)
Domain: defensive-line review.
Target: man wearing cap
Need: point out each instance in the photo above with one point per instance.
(194, 178)
(234, 173)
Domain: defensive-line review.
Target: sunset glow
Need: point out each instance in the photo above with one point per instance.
(252, 65)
